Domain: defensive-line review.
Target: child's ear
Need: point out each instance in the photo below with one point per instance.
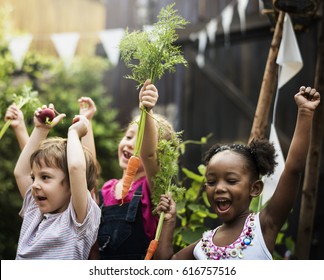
(256, 188)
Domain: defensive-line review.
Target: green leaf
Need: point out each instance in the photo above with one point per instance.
(192, 175)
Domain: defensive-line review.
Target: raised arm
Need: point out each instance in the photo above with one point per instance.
(88, 109)
(22, 169)
(17, 124)
(77, 166)
(148, 97)
(280, 205)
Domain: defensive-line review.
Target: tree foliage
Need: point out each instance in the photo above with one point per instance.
(63, 87)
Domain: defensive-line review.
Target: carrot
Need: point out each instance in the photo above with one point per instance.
(132, 167)
(151, 249)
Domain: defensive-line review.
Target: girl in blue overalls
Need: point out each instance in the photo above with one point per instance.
(127, 228)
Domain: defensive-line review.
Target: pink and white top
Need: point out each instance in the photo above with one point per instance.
(240, 249)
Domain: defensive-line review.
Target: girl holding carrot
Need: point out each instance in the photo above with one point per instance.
(232, 179)
(127, 223)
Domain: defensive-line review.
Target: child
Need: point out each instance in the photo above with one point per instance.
(16, 116)
(60, 219)
(127, 228)
(232, 179)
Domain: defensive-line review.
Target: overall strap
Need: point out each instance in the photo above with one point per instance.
(133, 205)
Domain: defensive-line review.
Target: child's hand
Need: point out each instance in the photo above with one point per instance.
(80, 124)
(14, 114)
(168, 206)
(307, 98)
(46, 117)
(87, 107)
(148, 95)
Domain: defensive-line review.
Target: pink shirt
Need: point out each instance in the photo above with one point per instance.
(149, 220)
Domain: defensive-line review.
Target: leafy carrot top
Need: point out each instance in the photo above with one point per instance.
(150, 53)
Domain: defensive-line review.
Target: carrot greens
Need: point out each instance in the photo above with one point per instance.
(150, 53)
(27, 99)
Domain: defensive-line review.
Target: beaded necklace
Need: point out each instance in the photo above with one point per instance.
(233, 250)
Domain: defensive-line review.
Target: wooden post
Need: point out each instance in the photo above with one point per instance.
(313, 163)
(260, 121)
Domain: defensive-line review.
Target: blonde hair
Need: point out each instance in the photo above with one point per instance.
(52, 153)
(165, 128)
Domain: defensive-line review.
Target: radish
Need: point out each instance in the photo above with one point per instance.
(47, 115)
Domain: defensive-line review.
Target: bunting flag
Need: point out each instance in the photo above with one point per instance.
(202, 43)
(227, 17)
(241, 8)
(271, 182)
(66, 44)
(211, 28)
(289, 58)
(110, 40)
(18, 47)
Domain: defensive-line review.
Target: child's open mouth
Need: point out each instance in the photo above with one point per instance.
(223, 204)
(127, 154)
(41, 198)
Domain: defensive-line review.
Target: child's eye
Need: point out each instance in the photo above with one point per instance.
(232, 181)
(45, 177)
(210, 183)
(32, 177)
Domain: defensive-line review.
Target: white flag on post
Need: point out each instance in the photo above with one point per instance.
(289, 57)
(110, 40)
(18, 47)
(66, 44)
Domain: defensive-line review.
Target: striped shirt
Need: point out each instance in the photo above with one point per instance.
(56, 236)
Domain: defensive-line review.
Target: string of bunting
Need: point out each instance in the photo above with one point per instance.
(66, 43)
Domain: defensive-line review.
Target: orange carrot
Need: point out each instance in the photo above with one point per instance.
(151, 249)
(132, 167)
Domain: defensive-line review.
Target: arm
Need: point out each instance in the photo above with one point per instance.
(88, 109)
(23, 169)
(280, 205)
(16, 116)
(77, 167)
(165, 246)
(148, 97)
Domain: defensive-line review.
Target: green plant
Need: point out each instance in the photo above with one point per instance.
(193, 210)
(168, 156)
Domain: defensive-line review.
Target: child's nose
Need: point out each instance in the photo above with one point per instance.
(131, 143)
(220, 188)
(36, 186)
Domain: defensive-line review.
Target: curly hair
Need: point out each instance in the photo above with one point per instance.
(260, 155)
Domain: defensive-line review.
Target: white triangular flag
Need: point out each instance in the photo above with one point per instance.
(227, 17)
(110, 40)
(271, 182)
(66, 44)
(18, 47)
(211, 28)
(241, 9)
(289, 57)
(202, 43)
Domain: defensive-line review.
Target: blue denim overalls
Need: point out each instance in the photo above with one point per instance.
(121, 233)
